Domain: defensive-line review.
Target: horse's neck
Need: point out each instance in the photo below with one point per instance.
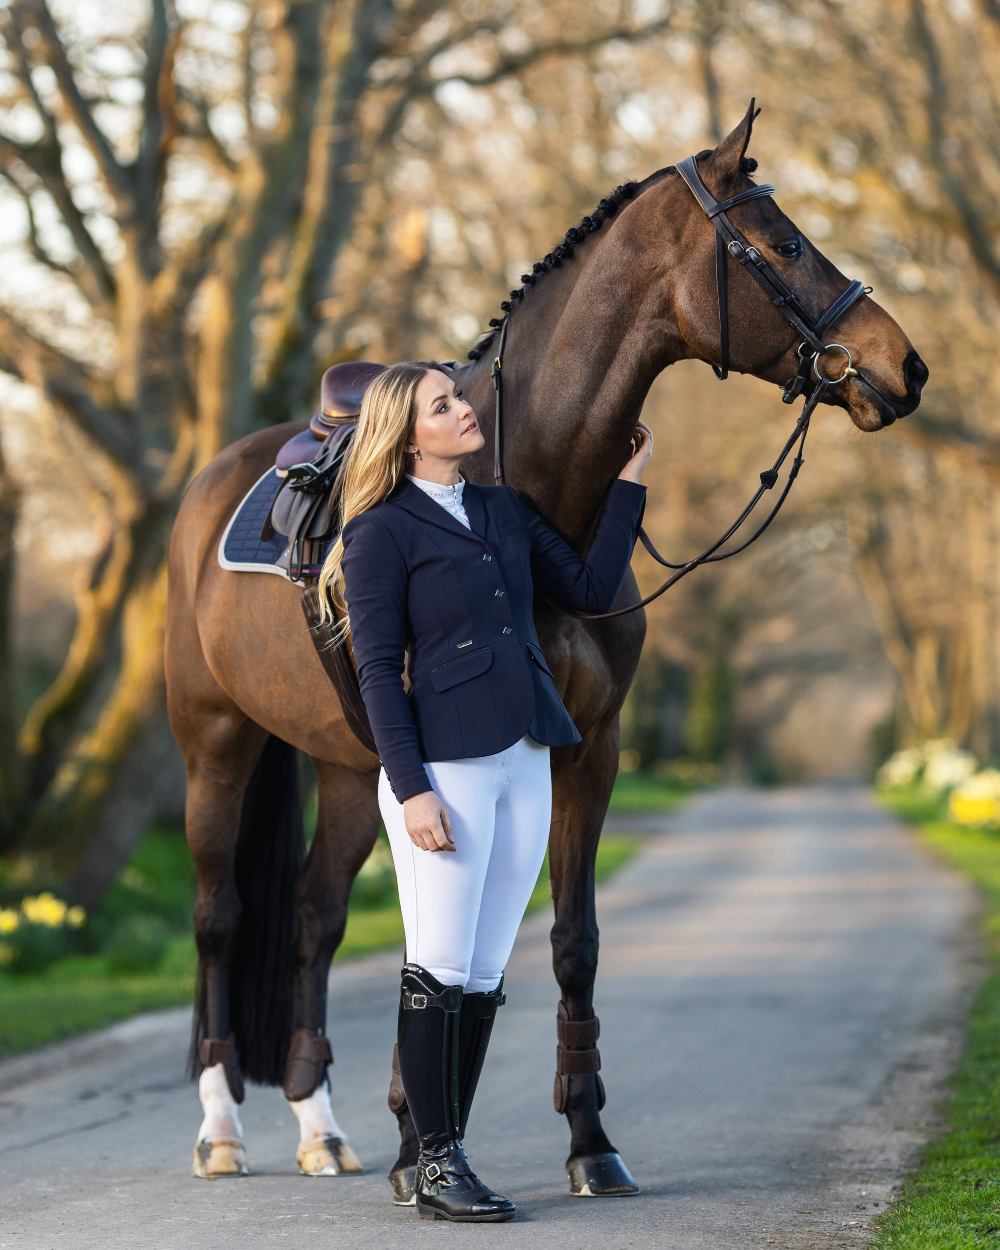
(580, 357)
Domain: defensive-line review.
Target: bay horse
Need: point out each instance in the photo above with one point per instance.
(628, 292)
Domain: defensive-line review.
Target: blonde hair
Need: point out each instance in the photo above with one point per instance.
(375, 463)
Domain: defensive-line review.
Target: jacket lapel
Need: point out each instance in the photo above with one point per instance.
(420, 505)
(475, 507)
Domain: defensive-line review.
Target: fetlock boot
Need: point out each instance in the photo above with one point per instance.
(479, 1009)
(446, 1187)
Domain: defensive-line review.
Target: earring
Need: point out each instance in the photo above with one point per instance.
(415, 452)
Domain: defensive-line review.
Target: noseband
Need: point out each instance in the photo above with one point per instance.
(730, 242)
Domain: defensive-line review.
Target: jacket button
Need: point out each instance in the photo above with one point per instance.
(505, 630)
(498, 593)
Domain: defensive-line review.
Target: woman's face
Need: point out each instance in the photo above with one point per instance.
(445, 427)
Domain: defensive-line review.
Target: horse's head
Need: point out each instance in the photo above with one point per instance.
(889, 372)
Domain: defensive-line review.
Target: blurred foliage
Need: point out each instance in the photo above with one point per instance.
(660, 787)
(652, 718)
(137, 943)
(710, 712)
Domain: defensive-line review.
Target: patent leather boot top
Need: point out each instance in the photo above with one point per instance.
(479, 1009)
(448, 1189)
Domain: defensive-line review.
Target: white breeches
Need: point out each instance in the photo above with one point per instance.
(462, 908)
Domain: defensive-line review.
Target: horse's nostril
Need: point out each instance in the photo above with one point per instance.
(915, 373)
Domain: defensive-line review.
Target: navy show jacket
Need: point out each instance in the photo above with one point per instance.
(461, 600)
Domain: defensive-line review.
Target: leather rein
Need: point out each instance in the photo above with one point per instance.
(730, 242)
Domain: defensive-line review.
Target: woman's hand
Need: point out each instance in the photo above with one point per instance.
(641, 446)
(428, 822)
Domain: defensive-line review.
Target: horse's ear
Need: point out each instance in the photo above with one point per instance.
(728, 156)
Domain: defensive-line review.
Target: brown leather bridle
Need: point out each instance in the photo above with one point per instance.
(730, 242)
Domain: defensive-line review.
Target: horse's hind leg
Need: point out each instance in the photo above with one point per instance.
(346, 827)
(581, 791)
(221, 747)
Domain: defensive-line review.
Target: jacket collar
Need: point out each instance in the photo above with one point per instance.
(419, 504)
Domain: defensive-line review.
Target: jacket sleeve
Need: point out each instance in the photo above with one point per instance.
(590, 583)
(375, 581)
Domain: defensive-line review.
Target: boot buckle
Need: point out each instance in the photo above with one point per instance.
(417, 1000)
(432, 1171)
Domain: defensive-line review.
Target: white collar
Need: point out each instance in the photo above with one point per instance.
(440, 490)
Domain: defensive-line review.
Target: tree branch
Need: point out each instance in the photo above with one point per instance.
(329, 204)
(514, 63)
(938, 143)
(194, 109)
(35, 245)
(159, 115)
(267, 177)
(418, 83)
(45, 160)
(79, 108)
(70, 388)
(93, 278)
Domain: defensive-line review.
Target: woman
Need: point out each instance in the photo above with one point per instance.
(442, 567)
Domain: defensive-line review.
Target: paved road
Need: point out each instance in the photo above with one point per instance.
(782, 977)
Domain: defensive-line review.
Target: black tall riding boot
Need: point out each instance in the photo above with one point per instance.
(479, 1009)
(428, 1044)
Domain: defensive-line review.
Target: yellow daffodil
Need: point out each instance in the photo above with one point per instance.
(977, 800)
(44, 909)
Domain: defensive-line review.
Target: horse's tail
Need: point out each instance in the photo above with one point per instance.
(270, 854)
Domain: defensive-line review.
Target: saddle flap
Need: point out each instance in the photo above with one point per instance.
(312, 513)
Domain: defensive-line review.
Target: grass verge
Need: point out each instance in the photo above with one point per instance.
(952, 1200)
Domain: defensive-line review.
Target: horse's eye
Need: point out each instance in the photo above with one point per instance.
(790, 249)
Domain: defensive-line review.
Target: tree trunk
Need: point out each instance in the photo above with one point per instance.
(11, 771)
(112, 778)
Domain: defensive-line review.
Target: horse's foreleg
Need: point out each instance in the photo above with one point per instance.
(346, 828)
(580, 795)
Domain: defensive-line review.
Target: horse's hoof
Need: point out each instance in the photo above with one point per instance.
(593, 1176)
(404, 1186)
(218, 1157)
(326, 1155)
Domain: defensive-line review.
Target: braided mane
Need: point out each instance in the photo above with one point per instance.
(592, 222)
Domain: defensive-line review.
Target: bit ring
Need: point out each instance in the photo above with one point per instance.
(849, 370)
